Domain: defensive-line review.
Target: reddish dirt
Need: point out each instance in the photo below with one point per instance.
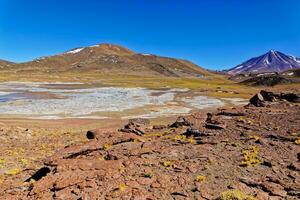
(252, 149)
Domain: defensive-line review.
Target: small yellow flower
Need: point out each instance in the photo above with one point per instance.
(192, 140)
(107, 146)
(179, 137)
(169, 164)
(121, 169)
(24, 161)
(14, 171)
(254, 137)
(43, 147)
(200, 178)
(297, 141)
(122, 187)
(101, 158)
(2, 161)
(31, 181)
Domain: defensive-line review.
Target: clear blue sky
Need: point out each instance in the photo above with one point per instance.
(215, 34)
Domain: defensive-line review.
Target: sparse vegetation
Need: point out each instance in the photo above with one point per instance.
(107, 146)
(122, 187)
(14, 171)
(254, 137)
(179, 137)
(169, 164)
(191, 140)
(251, 157)
(200, 178)
(235, 195)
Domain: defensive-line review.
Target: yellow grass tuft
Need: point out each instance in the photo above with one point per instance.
(14, 171)
(200, 178)
(251, 158)
(169, 164)
(235, 195)
(122, 187)
(107, 146)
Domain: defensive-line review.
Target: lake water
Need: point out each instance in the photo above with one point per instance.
(76, 100)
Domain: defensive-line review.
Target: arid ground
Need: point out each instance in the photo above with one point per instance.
(170, 165)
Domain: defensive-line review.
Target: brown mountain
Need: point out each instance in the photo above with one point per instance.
(108, 58)
(5, 64)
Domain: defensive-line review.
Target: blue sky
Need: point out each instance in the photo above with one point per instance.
(215, 34)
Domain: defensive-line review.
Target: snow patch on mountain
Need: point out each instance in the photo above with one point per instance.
(74, 51)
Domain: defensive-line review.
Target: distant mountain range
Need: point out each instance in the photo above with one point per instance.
(115, 59)
(109, 59)
(272, 61)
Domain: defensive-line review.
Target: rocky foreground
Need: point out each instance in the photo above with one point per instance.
(235, 153)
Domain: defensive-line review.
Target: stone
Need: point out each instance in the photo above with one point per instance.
(136, 126)
(214, 126)
(181, 121)
(158, 127)
(290, 97)
(274, 189)
(257, 100)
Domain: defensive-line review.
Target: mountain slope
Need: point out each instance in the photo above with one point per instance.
(5, 63)
(272, 61)
(112, 59)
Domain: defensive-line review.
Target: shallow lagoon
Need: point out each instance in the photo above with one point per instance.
(76, 100)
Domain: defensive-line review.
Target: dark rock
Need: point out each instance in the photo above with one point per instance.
(290, 97)
(98, 133)
(269, 96)
(260, 99)
(214, 126)
(267, 163)
(231, 113)
(294, 166)
(257, 100)
(213, 123)
(136, 126)
(181, 121)
(159, 127)
(133, 128)
(192, 132)
(209, 118)
(196, 133)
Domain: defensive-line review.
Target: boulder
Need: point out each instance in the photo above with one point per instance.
(181, 121)
(269, 96)
(213, 122)
(290, 97)
(192, 132)
(257, 100)
(260, 99)
(136, 126)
